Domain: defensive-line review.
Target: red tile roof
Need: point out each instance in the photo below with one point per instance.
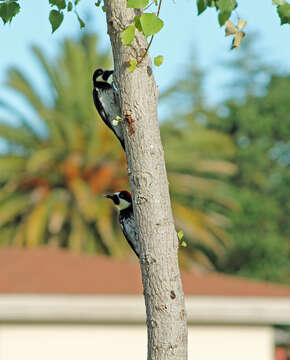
(54, 271)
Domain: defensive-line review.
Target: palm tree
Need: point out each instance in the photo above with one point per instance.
(53, 174)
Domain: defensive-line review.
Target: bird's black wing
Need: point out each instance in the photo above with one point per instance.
(106, 103)
(129, 230)
(101, 110)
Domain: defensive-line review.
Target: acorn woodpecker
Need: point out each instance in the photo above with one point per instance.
(123, 201)
(106, 100)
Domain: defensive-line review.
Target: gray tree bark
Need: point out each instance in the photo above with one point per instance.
(164, 298)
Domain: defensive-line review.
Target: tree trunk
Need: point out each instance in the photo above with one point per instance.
(164, 298)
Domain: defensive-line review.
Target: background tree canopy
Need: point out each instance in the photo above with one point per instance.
(255, 119)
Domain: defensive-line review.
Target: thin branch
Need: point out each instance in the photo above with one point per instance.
(148, 6)
(159, 7)
(152, 37)
(146, 51)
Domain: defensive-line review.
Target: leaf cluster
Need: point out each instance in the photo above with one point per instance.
(283, 10)
(56, 15)
(8, 9)
(260, 128)
(247, 142)
(148, 24)
(224, 8)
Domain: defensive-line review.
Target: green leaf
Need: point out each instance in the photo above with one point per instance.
(151, 24)
(55, 19)
(284, 13)
(226, 5)
(137, 4)
(223, 17)
(138, 23)
(69, 6)
(278, 2)
(184, 244)
(104, 8)
(201, 6)
(180, 234)
(127, 36)
(8, 10)
(158, 60)
(98, 3)
(211, 3)
(133, 64)
(82, 24)
(59, 3)
(77, 1)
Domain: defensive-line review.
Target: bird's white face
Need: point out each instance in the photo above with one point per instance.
(123, 203)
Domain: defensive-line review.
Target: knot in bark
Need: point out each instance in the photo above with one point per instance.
(172, 295)
(147, 259)
(161, 307)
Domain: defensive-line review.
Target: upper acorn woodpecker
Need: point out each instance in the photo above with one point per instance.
(123, 202)
(106, 100)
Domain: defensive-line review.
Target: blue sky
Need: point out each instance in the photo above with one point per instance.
(184, 32)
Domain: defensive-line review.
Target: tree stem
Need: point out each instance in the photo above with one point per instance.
(164, 298)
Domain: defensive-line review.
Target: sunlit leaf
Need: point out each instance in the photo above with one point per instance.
(127, 36)
(158, 60)
(137, 3)
(151, 24)
(180, 234)
(133, 64)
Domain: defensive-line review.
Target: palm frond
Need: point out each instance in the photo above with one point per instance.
(18, 136)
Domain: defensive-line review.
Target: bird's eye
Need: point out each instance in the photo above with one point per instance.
(116, 199)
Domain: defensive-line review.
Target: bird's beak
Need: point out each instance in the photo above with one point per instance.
(109, 196)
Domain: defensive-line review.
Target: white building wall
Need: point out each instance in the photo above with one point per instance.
(231, 343)
(110, 342)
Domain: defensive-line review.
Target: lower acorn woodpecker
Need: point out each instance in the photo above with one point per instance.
(123, 201)
(106, 100)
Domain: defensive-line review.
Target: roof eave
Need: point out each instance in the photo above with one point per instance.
(131, 309)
